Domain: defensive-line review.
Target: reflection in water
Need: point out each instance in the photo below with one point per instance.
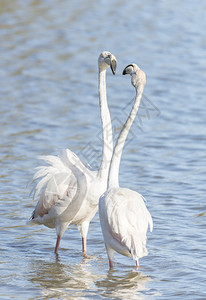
(80, 280)
(58, 279)
(128, 285)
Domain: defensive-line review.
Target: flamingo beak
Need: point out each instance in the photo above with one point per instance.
(113, 64)
(125, 70)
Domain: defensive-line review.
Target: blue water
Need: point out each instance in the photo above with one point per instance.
(49, 101)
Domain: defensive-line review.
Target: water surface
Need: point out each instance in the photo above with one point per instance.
(49, 101)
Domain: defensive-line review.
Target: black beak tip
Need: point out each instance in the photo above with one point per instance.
(124, 72)
(113, 67)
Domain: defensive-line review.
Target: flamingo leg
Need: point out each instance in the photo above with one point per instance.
(57, 244)
(84, 248)
(84, 245)
(137, 264)
(110, 264)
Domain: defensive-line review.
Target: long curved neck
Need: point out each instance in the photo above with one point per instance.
(113, 179)
(107, 148)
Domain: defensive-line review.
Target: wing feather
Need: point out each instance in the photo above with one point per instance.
(59, 182)
(128, 220)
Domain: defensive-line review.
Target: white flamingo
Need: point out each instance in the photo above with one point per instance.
(69, 191)
(123, 215)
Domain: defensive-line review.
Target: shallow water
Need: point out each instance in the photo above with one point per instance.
(49, 101)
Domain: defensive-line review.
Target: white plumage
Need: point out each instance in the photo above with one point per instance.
(123, 214)
(125, 220)
(69, 191)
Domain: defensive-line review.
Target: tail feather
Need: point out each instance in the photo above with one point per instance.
(56, 165)
(43, 171)
(58, 182)
(40, 185)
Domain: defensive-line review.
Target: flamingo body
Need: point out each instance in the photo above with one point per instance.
(125, 220)
(68, 190)
(123, 214)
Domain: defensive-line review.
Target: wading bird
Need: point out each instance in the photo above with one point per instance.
(123, 214)
(69, 191)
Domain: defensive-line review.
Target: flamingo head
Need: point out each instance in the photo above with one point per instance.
(107, 59)
(138, 76)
